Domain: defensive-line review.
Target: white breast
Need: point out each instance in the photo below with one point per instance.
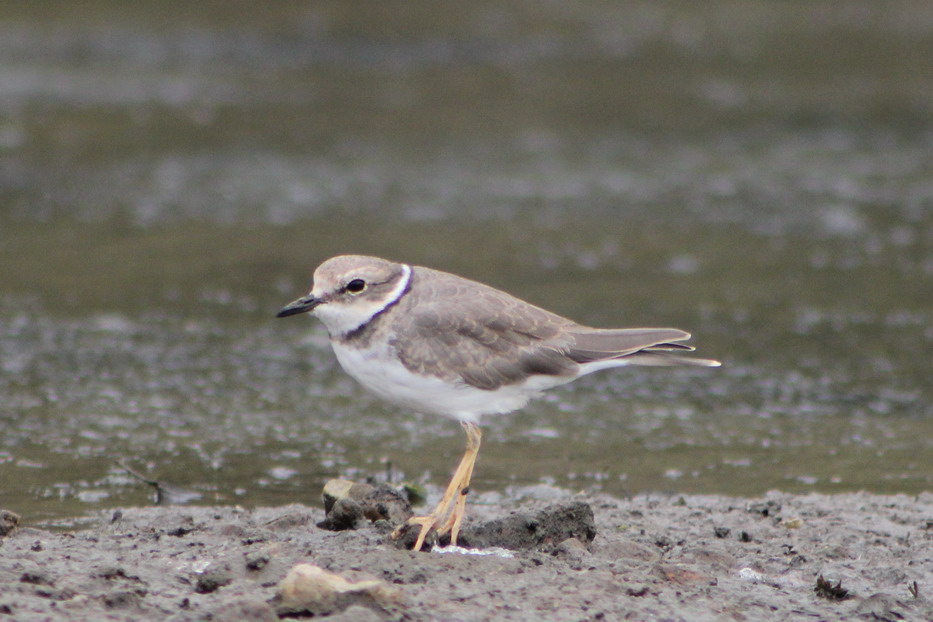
(379, 370)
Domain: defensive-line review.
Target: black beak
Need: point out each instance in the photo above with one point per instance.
(302, 305)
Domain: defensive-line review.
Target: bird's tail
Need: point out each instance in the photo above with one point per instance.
(657, 347)
(661, 359)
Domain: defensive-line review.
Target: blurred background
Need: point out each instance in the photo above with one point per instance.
(759, 173)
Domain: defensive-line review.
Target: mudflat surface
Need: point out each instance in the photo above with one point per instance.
(653, 557)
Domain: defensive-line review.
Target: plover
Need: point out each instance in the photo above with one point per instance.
(439, 343)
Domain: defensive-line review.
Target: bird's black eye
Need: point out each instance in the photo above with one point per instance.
(356, 286)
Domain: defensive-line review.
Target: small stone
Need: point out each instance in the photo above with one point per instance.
(311, 589)
(637, 590)
(337, 489)
(347, 504)
(664, 543)
(407, 535)
(344, 514)
(256, 560)
(8, 522)
(386, 503)
(544, 530)
(213, 578)
(178, 532)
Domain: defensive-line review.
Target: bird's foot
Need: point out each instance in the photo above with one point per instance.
(426, 525)
(432, 523)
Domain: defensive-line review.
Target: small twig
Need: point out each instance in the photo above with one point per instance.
(160, 489)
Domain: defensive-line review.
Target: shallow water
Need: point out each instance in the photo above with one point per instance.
(758, 175)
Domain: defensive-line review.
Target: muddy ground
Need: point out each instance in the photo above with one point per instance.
(653, 557)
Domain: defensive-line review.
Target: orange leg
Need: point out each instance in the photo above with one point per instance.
(452, 525)
(445, 518)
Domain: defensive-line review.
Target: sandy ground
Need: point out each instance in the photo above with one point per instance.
(653, 557)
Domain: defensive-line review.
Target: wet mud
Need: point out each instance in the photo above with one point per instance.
(545, 554)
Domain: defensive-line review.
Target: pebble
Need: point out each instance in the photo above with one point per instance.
(311, 589)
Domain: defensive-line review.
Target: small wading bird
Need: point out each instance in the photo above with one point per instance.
(438, 343)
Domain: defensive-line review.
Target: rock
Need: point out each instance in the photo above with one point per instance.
(337, 489)
(213, 578)
(407, 536)
(8, 522)
(256, 560)
(344, 514)
(637, 590)
(544, 530)
(386, 503)
(348, 503)
(311, 589)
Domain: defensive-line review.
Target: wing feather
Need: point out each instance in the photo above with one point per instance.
(481, 336)
(464, 331)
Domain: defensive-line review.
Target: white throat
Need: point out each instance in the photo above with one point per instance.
(341, 319)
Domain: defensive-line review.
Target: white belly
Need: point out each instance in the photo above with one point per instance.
(380, 372)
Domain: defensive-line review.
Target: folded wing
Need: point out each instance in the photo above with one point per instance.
(471, 333)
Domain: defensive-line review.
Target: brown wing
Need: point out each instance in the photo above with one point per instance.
(464, 331)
